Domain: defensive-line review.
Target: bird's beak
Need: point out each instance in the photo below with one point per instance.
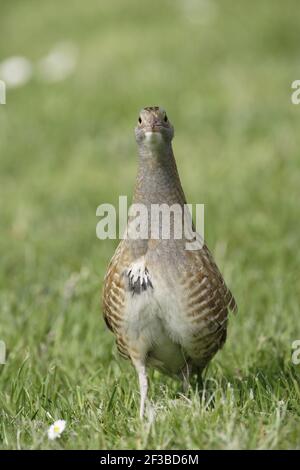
(155, 127)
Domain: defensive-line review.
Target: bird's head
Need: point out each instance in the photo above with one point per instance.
(153, 126)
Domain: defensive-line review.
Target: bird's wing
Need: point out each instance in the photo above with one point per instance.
(206, 301)
(113, 297)
(117, 281)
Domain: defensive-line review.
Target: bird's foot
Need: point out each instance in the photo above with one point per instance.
(138, 278)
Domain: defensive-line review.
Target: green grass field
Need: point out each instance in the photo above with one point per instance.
(223, 71)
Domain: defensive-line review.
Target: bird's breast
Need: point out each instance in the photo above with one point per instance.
(153, 320)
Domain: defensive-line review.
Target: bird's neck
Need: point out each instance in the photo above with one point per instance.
(157, 180)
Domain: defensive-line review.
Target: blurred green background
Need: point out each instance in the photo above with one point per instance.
(223, 71)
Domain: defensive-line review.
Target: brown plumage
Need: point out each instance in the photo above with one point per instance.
(166, 305)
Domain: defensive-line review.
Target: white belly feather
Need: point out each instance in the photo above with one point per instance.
(153, 323)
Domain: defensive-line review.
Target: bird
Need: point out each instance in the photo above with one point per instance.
(166, 305)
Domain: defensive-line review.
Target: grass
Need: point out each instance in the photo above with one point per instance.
(224, 74)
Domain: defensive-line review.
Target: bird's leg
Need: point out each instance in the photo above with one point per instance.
(200, 382)
(185, 375)
(143, 382)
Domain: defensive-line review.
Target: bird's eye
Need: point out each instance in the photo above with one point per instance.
(166, 118)
(140, 120)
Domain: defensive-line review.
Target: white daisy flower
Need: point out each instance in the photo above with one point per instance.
(56, 429)
(59, 63)
(15, 71)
